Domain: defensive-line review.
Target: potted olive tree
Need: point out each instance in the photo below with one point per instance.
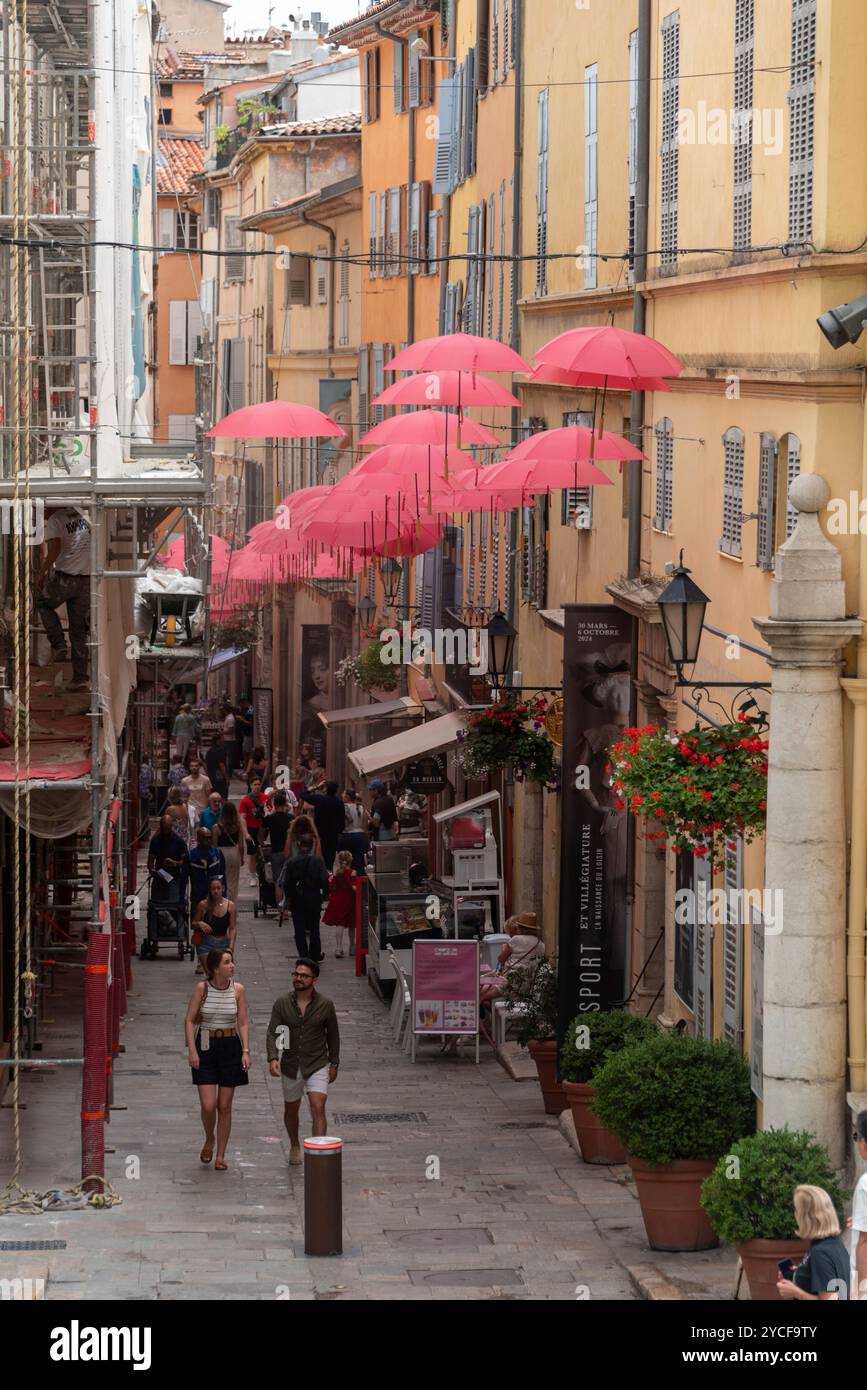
(678, 1104)
(590, 1040)
(749, 1198)
(531, 995)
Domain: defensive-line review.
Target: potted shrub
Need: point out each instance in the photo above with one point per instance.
(531, 994)
(590, 1040)
(678, 1103)
(749, 1198)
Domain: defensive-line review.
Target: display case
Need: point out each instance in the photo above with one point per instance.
(397, 916)
(471, 889)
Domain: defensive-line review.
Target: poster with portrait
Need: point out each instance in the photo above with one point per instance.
(335, 455)
(597, 697)
(315, 687)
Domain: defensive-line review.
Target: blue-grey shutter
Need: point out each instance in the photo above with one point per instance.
(501, 288)
(371, 219)
(743, 123)
(766, 528)
(378, 362)
(801, 98)
(393, 265)
(495, 42)
(540, 551)
(542, 194)
(382, 232)
(430, 569)
(486, 71)
(488, 265)
(526, 552)
(633, 150)
(442, 179)
(513, 270)
(397, 73)
(472, 112)
(365, 88)
(793, 468)
(703, 949)
(733, 491)
(591, 171)
(363, 389)
(483, 558)
(504, 46)
(733, 943)
(471, 559)
(414, 72)
(664, 476)
(669, 161)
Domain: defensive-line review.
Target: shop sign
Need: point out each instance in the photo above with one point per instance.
(427, 775)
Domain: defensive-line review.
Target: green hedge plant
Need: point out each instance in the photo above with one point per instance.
(534, 988)
(750, 1193)
(674, 1097)
(606, 1033)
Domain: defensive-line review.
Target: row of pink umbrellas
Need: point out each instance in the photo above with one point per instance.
(394, 499)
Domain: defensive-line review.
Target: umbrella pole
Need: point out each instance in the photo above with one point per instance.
(602, 411)
(429, 499)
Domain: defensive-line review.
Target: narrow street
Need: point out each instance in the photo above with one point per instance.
(514, 1214)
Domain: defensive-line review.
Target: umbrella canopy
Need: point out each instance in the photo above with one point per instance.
(447, 388)
(412, 462)
(573, 443)
(559, 376)
(463, 352)
(601, 352)
(175, 556)
(538, 475)
(429, 427)
(276, 420)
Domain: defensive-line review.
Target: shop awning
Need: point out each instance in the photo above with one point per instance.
(380, 709)
(227, 657)
(465, 808)
(401, 748)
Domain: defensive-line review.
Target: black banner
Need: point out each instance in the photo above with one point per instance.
(597, 694)
(315, 688)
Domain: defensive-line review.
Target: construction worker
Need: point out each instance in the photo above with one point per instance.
(64, 578)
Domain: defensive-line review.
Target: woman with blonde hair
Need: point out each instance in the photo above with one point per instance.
(824, 1271)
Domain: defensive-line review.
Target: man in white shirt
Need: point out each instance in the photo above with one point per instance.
(229, 744)
(859, 1216)
(198, 786)
(64, 578)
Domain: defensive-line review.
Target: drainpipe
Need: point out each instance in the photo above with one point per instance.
(332, 274)
(446, 231)
(856, 967)
(636, 424)
(410, 180)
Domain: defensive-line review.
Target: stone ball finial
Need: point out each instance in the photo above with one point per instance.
(809, 492)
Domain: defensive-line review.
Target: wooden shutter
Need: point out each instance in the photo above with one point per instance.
(167, 229)
(664, 475)
(430, 565)
(793, 468)
(633, 149)
(381, 234)
(394, 251)
(591, 178)
(365, 87)
(542, 193)
(397, 73)
(504, 46)
(501, 286)
(472, 113)
(206, 293)
(526, 552)
(513, 30)
(475, 245)
(236, 378)
(540, 551)
(486, 45)
(194, 328)
(576, 503)
(669, 153)
(371, 235)
(766, 529)
(491, 45)
(363, 390)
(488, 265)
(345, 252)
(377, 81)
(733, 942)
(414, 223)
(378, 385)
(513, 269)
(177, 333)
(452, 298)
(446, 135)
(471, 559)
(701, 878)
(299, 279)
(459, 148)
(321, 275)
(733, 491)
(743, 123)
(235, 266)
(432, 246)
(414, 72)
(801, 98)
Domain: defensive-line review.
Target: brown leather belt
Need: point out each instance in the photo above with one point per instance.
(223, 1032)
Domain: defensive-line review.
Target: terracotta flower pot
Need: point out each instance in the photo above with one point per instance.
(544, 1054)
(598, 1144)
(670, 1198)
(760, 1259)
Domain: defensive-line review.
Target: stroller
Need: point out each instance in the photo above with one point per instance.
(168, 917)
(266, 900)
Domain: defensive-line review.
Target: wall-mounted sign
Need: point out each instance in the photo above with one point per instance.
(426, 774)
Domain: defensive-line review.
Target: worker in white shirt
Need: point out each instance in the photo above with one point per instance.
(64, 578)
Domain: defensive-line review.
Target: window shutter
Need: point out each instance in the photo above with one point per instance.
(733, 942)
(236, 384)
(501, 287)
(473, 306)
(793, 468)
(414, 72)
(363, 390)
(428, 588)
(512, 263)
(526, 552)
(371, 235)
(377, 82)
(504, 46)
(669, 166)
(299, 279)
(177, 333)
(542, 195)
(460, 141)
(451, 307)
(494, 44)
(235, 266)
(591, 181)
(194, 328)
(703, 949)
(765, 531)
(345, 253)
(365, 87)
(378, 380)
(472, 112)
(471, 559)
(432, 246)
(167, 229)
(381, 235)
(206, 292)
(801, 98)
(633, 149)
(442, 180)
(397, 73)
(321, 276)
(743, 123)
(488, 266)
(486, 45)
(540, 551)
(664, 476)
(414, 230)
(513, 31)
(394, 250)
(576, 505)
(182, 429)
(733, 491)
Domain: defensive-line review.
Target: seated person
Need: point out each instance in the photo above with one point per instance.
(523, 949)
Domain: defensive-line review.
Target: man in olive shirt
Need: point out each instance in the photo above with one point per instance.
(303, 1043)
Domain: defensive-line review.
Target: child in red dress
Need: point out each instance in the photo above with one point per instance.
(340, 909)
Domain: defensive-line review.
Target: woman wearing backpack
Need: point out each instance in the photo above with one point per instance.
(218, 1045)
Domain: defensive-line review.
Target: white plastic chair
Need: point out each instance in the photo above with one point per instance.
(502, 1015)
(402, 999)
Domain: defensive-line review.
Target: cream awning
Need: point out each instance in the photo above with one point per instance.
(407, 745)
(380, 709)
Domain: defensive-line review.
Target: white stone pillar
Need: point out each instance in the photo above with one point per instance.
(804, 1068)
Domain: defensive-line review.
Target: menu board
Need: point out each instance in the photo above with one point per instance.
(445, 987)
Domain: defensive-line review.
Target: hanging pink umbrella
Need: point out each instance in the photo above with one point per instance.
(412, 462)
(175, 556)
(429, 427)
(276, 420)
(540, 475)
(463, 352)
(602, 351)
(446, 388)
(571, 444)
(546, 374)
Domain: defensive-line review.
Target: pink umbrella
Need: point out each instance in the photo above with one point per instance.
(175, 555)
(462, 352)
(540, 475)
(414, 463)
(603, 352)
(559, 376)
(428, 427)
(446, 388)
(276, 420)
(571, 444)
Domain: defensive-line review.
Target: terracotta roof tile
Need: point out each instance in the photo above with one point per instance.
(348, 124)
(179, 160)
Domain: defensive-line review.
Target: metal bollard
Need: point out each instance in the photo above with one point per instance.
(323, 1196)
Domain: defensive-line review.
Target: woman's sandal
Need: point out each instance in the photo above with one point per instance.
(207, 1153)
(220, 1166)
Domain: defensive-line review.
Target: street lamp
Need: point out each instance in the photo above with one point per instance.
(392, 573)
(682, 607)
(501, 644)
(366, 611)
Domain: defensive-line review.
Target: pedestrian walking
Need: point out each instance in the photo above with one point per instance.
(184, 731)
(383, 813)
(301, 827)
(177, 771)
(244, 728)
(63, 579)
(329, 816)
(858, 1258)
(167, 852)
(212, 814)
(303, 1044)
(252, 808)
(206, 863)
(340, 909)
(218, 1045)
(823, 1273)
(228, 732)
(216, 768)
(257, 767)
(177, 807)
(275, 830)
(215, 923)
(230, 841)
(198, 786)
(353, 809)
(305, 887)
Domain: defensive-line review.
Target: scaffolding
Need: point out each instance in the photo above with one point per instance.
(62, 893)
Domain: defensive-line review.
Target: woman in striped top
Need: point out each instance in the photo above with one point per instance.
(218, 1043)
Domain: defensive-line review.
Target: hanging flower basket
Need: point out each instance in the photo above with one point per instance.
(697, 788)
(237, 634)
(371, 672)
(512, 732)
